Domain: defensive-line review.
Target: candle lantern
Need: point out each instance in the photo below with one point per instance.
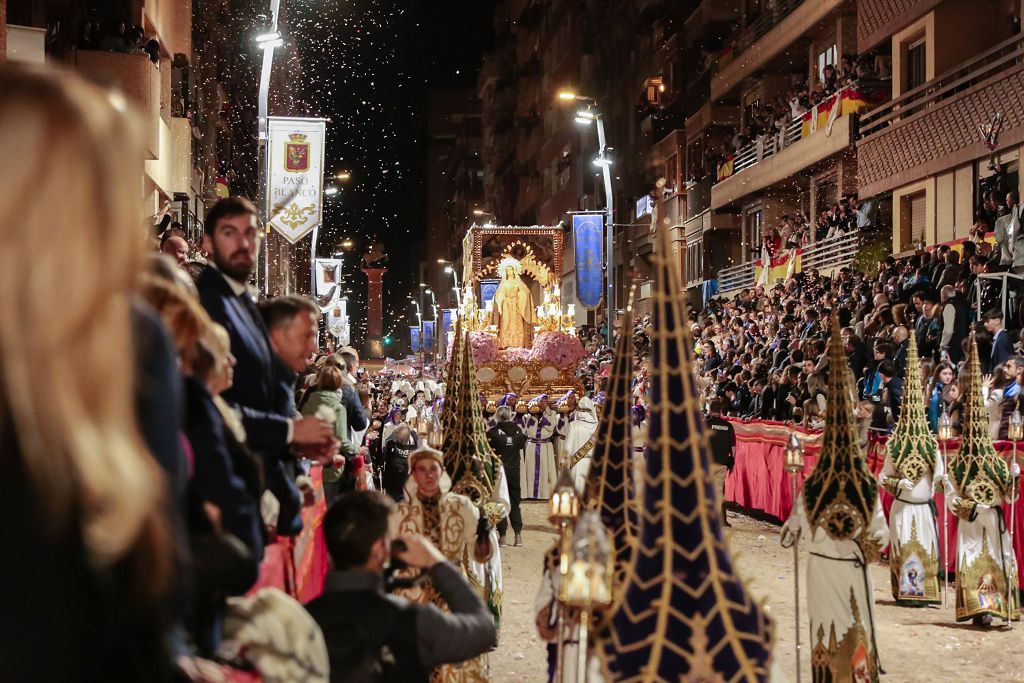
(564, 506)
(945, 426)
(794, 455)
(1015, 428)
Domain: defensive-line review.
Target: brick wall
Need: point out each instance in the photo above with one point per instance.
(942, 137)
(879, 19)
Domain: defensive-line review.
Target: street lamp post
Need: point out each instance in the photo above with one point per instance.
(585, 117)
(267, 41)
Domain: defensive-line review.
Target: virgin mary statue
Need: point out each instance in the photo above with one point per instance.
(513, 307)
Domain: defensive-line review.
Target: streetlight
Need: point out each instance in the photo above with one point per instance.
(266, 42)
(490, 223)
(586, 117)
(449, 267)
(331, 190)
(343, 176)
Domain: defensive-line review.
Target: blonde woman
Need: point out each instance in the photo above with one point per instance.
(82, 499)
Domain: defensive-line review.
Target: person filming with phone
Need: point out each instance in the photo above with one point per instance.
(374, 636)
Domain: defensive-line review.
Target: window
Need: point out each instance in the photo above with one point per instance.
(752, 229)
(653, 90)
(912, 219)
(915, 71)
(829, 56)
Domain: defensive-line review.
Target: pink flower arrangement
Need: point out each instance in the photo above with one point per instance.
(560, 349)
(517, 356)
(485, 347)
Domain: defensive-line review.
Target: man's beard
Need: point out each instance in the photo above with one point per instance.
(239, 273)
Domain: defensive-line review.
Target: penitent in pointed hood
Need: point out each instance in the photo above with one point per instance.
(912, 446)
(840, 494)
(685, 614)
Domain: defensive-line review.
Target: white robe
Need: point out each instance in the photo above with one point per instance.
(839, 596)
(489, 574)
(985, 562)
(547, 594)
(539, 471)
(580, 430)
(914, 539)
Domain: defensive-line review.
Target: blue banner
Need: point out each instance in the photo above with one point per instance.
(446, 325)
(414, 339)
(487, 290)
(428, 335)
(588, 236)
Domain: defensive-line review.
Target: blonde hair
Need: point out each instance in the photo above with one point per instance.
(73, 206)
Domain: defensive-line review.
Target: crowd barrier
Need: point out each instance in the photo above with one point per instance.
(760, 482)
(298, 566)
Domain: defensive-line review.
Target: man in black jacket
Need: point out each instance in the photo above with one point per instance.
(373, 636)
(232, 238)
(722, 439)
(508, 441)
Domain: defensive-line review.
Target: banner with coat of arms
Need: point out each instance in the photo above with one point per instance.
(295, 182)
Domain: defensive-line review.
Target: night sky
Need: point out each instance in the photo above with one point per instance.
(368, 66)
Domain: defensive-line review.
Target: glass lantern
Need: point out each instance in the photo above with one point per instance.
(1015, 428)
(589, 580)
(945, 426)
(794, 455)
(564, 506)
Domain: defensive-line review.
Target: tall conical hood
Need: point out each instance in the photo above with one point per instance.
(452, 376)
(467, 452)
(912, 446)
(978, 472)
(685, 614)
(840, 494)
(610, 487)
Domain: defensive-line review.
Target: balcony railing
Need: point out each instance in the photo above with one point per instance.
(836, 252)
(764, 23)
(987, 65)
(766, 146)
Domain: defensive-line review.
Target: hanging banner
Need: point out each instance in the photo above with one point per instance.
(337, 322)
(588, 236)
(295, 184)
(488, 288)
(414, 339)
(328, 275)
(447, 316)
(428, 335)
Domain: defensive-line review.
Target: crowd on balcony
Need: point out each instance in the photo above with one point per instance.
(119, 37)
(866, 74)
(763, 351)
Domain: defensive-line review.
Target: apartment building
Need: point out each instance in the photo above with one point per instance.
(156, 83)
(455, 182)
(931, 152)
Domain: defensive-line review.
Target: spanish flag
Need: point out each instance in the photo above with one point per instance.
(725, 169)
(781, 268)
(817, 117)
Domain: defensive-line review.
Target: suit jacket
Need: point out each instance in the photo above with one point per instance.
(1004, 247)
(261, 391)
(1002, 350)
(220, 477)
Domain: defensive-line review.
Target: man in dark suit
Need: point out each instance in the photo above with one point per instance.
(1002, 343)
(232, 239)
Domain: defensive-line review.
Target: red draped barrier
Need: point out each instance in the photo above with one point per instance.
(298, 566)
(759, 480)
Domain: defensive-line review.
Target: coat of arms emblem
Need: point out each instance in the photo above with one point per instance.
(296, 154)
